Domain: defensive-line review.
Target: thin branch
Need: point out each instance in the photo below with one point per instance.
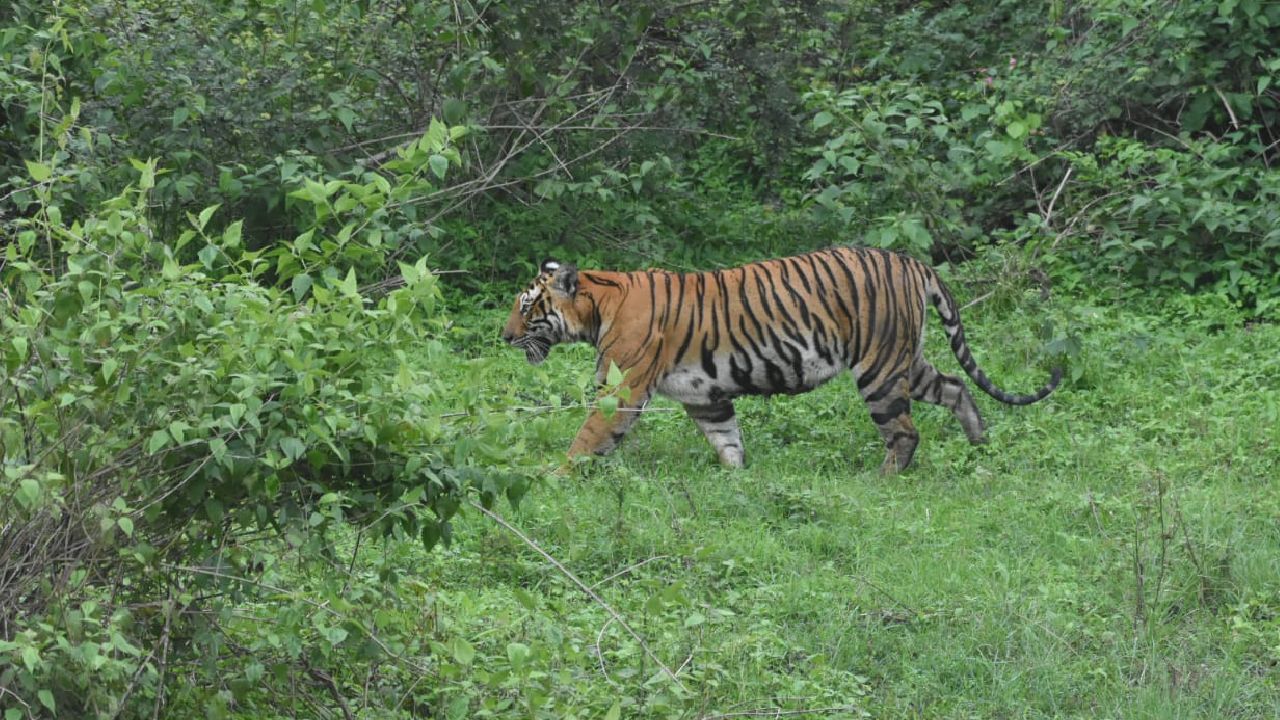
(629, 568)
(638, 128)
(583, 587)
(600, 653)
(4, 690)
(1048, 215)
(1042, 158)
(327, 680)
(885, 593)
(779, 712)
(977, 300)
(1234, 122)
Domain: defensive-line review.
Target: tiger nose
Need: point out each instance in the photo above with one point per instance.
(507, 335)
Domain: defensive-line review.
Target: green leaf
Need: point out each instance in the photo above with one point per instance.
(525, 599)
(999, 149)
(430, 535)
(146, 173)
(518, 653)
(46, 699)
(205, 214)
(30, 657)
(615, 712)
(13, 714)
(462, 651)
(349, 286)
(822, 120)
(614, 376)
(20, 346)
(454, 111)
(28, 493)
(459, 707)
(39, 171)
(293, 448)
(409, 273)
(126, 526)
(609, 405)
(208, 255)
(231, 236)
(218, 448)
(1016, 129)
(346, 116)
(109, 369)
(178, 430)
(300, 285)
(433, 141)
(158, 440)
(439, 165)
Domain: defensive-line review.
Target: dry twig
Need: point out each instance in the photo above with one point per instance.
(583, 587)
(779, 712)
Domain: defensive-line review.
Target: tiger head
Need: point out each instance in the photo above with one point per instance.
(544, 313)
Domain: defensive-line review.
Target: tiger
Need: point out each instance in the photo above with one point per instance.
(780, 326)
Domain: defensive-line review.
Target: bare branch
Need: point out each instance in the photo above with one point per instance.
(629, 568)
(779, 712)
(584, 588)
(1235, 123)
(1048, 215)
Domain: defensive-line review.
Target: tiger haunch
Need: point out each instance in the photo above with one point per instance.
(785, 325)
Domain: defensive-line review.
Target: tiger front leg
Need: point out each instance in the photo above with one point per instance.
(600, 434)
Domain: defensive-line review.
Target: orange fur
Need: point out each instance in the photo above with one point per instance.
(777, 326)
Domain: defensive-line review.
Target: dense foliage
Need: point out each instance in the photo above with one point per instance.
(249, 247)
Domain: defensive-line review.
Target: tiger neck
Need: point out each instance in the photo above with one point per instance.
(602, 293)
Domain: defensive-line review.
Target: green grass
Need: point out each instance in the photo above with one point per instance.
(1114, 552)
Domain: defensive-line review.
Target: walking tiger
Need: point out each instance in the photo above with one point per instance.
(785, 325)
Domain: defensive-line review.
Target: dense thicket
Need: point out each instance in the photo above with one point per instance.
(219, 219)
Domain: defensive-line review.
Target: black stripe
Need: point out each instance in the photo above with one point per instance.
(601, 281)
(718, 413)
(762, 291)
(869, 285)
(800, 271)
(899, 407)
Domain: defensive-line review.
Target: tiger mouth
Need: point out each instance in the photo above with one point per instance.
(535, 348)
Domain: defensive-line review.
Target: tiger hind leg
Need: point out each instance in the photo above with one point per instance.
(929, 385)
(890, 405)
(720, 426)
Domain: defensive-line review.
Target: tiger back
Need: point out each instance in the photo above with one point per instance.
(781, 326)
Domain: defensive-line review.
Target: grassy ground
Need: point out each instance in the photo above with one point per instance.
(1114, 552)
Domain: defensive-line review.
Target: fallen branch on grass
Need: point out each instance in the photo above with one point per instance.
(778, 712)
(583, 587)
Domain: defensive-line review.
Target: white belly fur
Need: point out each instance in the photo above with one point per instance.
(691, 384)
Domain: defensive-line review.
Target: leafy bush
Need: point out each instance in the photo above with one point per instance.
(155, 411)
(1194, 217)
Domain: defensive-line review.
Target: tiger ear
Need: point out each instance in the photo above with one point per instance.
(550, 265)
(565, 278)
